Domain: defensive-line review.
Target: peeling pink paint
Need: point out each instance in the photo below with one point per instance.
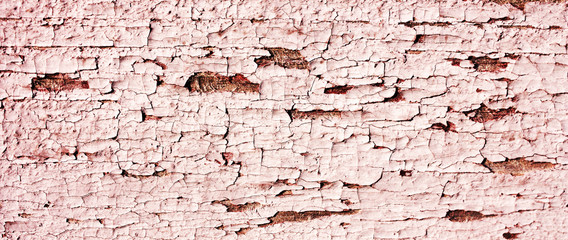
(263, 120)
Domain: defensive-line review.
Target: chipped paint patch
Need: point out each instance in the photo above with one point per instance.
(213, 82)
(484, 113)
(291, 216)
(286, 58)
(313, 114)
(516, 166)
(486, 64)
(464, 216)
(337, 89)
(57, 82)
(249, 206)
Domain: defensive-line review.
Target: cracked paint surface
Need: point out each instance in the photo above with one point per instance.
(283, 120)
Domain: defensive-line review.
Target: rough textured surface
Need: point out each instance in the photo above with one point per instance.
(516, 167)
(56, 83)
(286, 58)
(291, 216)
(214, 82)
(283, 120)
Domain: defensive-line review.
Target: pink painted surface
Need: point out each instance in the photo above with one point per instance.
(304, 120)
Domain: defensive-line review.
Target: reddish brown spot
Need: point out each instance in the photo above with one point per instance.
(484, 114)
(352, 185)
(152, 117)
(379, 147)
(509, 235)
(305, 154)
(214, 82)
(238, 207)
(512, 56)
(396, 97)
(464, 216)
(57, 82)
(324, 184)
(346, 202)
(239, 78)
(24, 215)
(265, 186)
(486, 64)
(286, 58)
(149, 117)
(448, 127)
(291, 216)
(406, 173)
(338, 89)
(414, 51)
(343, 224)
(284, 193)
(291, 31)
(284, 181)
(314, 114)
(263, 61)
(243, 231)
(516, 166)
(72, 220)
(554, 27)
(455, 61)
